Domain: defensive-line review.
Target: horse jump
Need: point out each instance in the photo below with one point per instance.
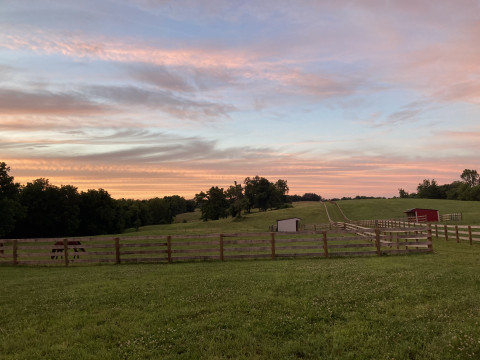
(71, 242)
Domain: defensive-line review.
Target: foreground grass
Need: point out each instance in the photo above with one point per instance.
(394, 307)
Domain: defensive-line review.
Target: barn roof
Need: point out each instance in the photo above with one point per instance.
(294, 218)
(414, 209)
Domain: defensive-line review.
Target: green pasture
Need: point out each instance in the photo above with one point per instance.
(390, 307)
(314, 213)
(394, 208)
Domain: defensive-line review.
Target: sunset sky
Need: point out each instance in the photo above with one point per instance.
(149, 98)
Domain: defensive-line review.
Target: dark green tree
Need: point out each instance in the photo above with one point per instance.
(430, 190)
(259, 193)
(262, 194)
(98, 213)
(470, 177)
(403, 194)
(10, 207)
(280, 194)
(158, 212)
(50, 211)
(311, 197)
(236, 199)
(213, 204)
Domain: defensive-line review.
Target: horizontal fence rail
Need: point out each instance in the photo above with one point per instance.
(451, 217)
(458, 233)
(346, 240)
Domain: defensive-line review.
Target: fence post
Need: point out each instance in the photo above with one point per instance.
(470, 234)
(436, 231)
(117, 250)
(169, 248)
(15, 252)
(272, 242)
(446, 233)
(429, 237)
(377, 241)
(65, 250)
(456, 232)
(325, 244)
(221, 247)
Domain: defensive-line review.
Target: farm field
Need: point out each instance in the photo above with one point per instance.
(314, 213)
(393, 208)
(389, 307)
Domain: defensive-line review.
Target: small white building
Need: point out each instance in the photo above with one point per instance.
(288, 225)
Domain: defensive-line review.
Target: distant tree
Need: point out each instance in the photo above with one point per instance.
(213, 204)
(311, 197)
(263, 195)
(402, 193)
(455, 189)
(158, 212)
(470, 177)
(176, 204)
(128, 214)
(294, 198)
(11, 209)
(236, 199)
(430, 190)
(281, 191)
(50, 211)
(190, 205)
(98, 213)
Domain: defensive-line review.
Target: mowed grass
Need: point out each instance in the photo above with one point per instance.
(309, 212)
(394, 208)
(314, 213)
(389, 307)
(392, 307)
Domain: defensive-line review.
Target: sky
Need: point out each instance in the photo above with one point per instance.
(148, 98)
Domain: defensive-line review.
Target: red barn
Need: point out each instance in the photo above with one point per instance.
(422, 215)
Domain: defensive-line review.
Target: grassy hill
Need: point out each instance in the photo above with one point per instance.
(393, 208)
(314, 213)
(389, 307)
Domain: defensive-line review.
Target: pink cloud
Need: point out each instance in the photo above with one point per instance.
(377, 176)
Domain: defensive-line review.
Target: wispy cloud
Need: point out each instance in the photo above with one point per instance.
(151, 96)
(44, 102)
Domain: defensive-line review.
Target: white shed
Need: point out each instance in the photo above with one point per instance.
(289, 225)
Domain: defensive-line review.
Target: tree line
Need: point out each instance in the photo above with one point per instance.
(468, 188)
(256, 193)
(40, 209)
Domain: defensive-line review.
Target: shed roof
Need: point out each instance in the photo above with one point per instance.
(412, 210)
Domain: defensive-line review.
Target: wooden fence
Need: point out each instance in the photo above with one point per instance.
(457, 233)
(470, 233)
(167, 249)
(451, 217)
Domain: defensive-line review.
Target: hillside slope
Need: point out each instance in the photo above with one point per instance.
(314, 213)
(394, 208)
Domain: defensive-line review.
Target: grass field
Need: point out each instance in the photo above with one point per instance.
(391, 307)
(314, 213)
